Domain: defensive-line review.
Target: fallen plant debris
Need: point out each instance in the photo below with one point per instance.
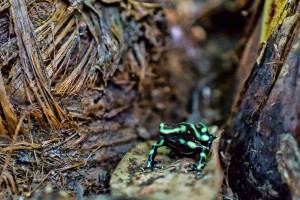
(75, 79)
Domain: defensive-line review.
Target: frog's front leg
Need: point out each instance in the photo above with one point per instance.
(201, 163)
(202, 159)
(151, 163)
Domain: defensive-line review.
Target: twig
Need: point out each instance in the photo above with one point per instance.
(12, 145)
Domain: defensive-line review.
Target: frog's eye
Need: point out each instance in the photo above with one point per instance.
(200, 126)
(204, 129)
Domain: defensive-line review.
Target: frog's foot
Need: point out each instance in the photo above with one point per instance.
(152, 166)
(194, 167)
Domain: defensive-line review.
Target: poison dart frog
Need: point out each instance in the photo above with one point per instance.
(186, 139)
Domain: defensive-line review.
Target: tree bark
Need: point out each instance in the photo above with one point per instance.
(266, 107)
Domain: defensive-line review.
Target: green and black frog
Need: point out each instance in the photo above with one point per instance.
(186, 139)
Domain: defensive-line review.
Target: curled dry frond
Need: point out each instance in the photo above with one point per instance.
(72, 74)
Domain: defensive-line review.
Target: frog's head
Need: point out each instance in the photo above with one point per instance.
(205, 135)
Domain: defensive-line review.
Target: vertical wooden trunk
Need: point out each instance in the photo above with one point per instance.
(267, 107)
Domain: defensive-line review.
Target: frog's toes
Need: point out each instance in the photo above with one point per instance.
(156, 166)
(198, 173)
(152, 166)
(193, 167)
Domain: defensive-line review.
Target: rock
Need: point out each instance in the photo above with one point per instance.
(174, 181)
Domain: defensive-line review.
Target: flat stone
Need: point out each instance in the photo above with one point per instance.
(174, 181)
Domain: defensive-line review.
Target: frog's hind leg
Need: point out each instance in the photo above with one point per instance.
(151, 163)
